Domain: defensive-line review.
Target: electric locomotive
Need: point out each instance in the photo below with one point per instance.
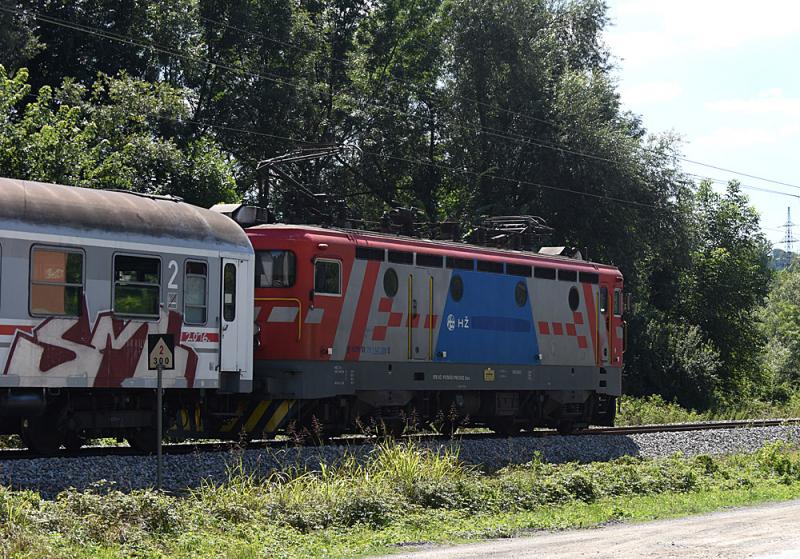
(354, 326)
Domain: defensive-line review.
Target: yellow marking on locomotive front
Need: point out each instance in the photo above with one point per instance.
(277, 417)
(256, 416)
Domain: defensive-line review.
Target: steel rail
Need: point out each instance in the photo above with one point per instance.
(233, 446)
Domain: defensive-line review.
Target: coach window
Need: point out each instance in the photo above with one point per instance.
(194, 292)
(56, 282)
(229, 293)
(275, 268)
(137, 285)
(327, 277)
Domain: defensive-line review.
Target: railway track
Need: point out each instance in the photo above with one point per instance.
(225, 446)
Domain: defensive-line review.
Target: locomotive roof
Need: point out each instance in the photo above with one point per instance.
(87, 209)
(402, 242)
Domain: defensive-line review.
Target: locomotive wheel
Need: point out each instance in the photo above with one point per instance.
(73, 441)
(505, 427)
(39, 436)
(566, 427)
(143, 440)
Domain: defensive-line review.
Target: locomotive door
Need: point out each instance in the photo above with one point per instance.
(604, 325)
(232, 334)
(420, 303)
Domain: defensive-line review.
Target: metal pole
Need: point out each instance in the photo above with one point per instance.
(159, 406)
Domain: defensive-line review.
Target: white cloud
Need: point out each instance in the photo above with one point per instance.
(770, 101)
(728, 137)
(647, 31)
(650, 92)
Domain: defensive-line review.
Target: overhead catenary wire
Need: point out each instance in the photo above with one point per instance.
(493, 106)
(515, 138)
(486, 130)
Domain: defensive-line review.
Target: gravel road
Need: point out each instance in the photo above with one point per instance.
(764, 532)
(51, 475)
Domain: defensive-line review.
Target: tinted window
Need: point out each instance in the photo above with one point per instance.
(56, 282)
(429, 260)
(390, 282)
(456, 288)
(574, 298)
(518, 270)
(568, 275)
(327, 277)
(589, 277)
(400, 257)
(137, 285)
(194, 293)
(520, 294)
(603, 300)
(544, 273)
(367, 253)
(460, 263)
(229, 292)
(618, 302)
(489, 266)
(275, 268)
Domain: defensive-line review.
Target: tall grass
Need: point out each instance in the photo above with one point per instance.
(655, 410)
(397, 481)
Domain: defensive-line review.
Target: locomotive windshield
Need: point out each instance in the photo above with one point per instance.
(275, 268)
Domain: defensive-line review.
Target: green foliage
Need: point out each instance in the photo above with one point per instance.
(396, 491)
(654, 410)
(118, 134)
(459, 107)
(780, 318)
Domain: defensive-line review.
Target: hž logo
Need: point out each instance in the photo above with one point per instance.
(460, 322)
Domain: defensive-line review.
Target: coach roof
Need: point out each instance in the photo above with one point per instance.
(88, 209)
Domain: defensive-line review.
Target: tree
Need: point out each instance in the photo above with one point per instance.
(724, 285)
(122, 133)
(780, 319)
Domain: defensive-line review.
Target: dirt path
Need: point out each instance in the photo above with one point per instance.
(764, 532)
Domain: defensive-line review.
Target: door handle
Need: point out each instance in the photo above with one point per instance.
(225, 327)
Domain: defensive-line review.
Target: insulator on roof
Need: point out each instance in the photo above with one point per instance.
(245, 216)
(569, 252)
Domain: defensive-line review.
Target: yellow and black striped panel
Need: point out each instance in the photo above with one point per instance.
(261, 416)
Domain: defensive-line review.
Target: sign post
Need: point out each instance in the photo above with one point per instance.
(160, 357)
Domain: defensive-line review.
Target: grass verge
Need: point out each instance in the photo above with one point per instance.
(402, 495)
(652, 410)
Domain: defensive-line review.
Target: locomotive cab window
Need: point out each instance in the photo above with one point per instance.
(194, 292)
(56, 282)
(275, 268)
(137, 285)
(617, 302)
(327, 277)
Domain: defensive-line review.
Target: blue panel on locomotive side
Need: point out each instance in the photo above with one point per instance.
(487, 325)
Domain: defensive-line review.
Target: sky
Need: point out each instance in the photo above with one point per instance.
(725, 77)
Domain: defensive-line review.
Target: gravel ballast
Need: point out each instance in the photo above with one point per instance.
(49, 476)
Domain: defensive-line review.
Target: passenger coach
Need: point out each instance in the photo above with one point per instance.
(85, 276)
